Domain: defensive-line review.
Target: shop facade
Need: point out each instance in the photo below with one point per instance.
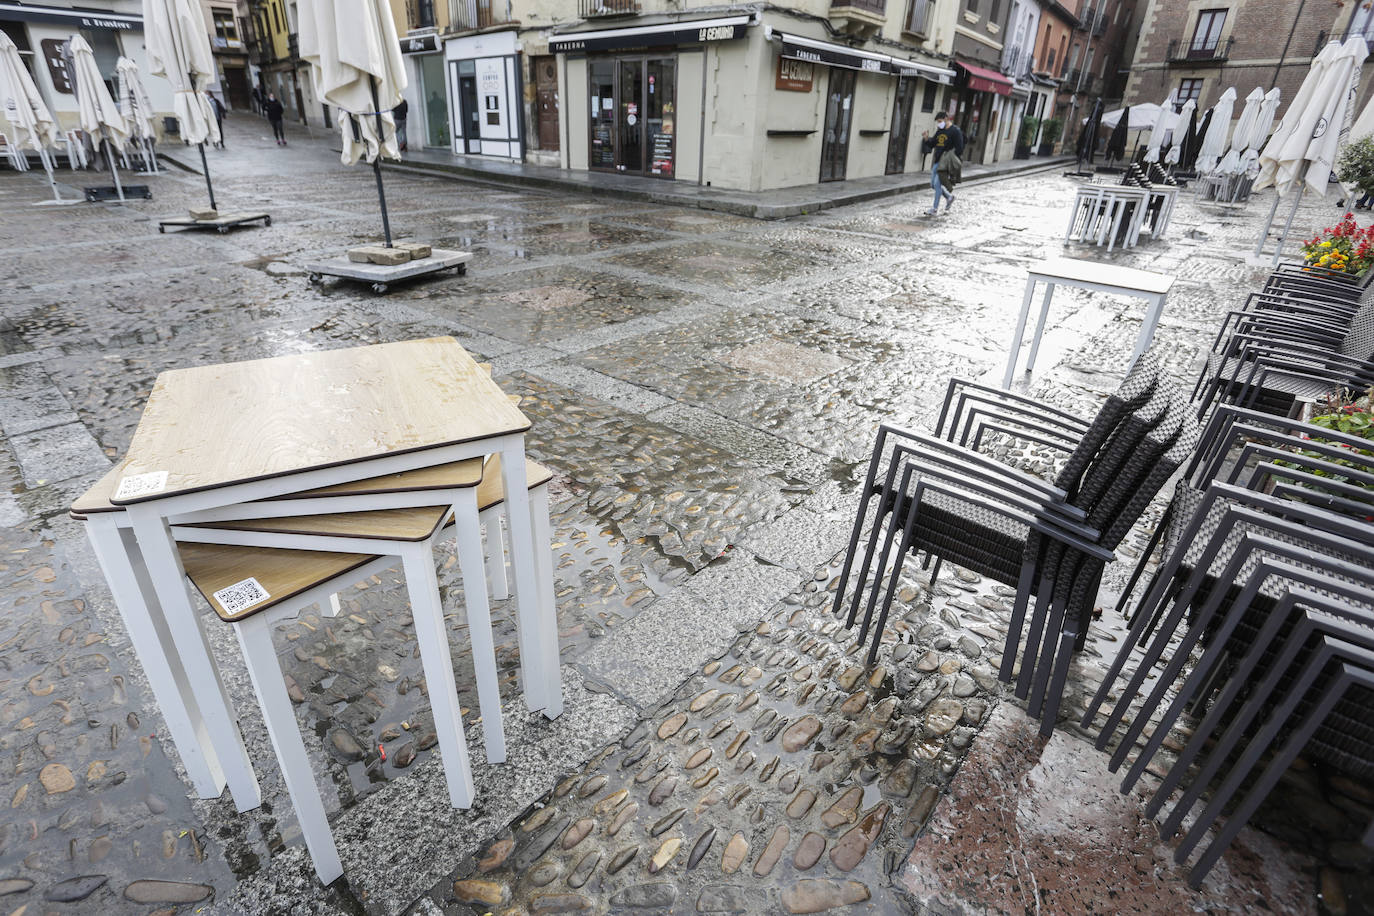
(739, 102)
(427, 121)
(40, 31)
(485, 89)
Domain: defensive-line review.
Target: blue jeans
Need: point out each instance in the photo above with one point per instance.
(940, 191)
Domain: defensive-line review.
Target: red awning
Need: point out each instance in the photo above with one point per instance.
(980, 80)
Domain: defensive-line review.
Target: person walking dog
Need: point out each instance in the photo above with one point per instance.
(946, 169)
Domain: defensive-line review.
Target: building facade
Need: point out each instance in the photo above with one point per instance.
(226, 21)
(1198, 50)
(113, 29)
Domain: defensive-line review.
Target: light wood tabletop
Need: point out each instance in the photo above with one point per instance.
(492, 491)
(453, 475)
(382, 524)
(215, 426)
(281, 574)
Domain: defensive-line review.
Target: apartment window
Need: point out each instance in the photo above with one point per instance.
(225, 29)
(995, 11)
(972, 6)
(1189, 89)
(425, 13)
(916, 20)
(276, 16)
(1049, 64)
(1208, 32)
(928, 98)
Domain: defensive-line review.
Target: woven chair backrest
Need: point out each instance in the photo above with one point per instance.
(1185, 437)
(1135, 390)
(1359, 339)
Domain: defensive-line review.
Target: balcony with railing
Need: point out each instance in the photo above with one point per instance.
(918, 18)
(293, 46)
(590, 9)
(1199, 51)
(262, 51)
(861, 18)
(470, 15)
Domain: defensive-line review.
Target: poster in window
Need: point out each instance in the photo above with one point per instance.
(661, 144)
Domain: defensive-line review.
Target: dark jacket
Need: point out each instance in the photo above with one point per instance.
(401, 110)
(949, 137)
(273, 109)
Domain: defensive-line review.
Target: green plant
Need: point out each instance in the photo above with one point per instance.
(1052, 130)
(1356, 165)
(1343, 248)
(1344, 414)
(1029, 126)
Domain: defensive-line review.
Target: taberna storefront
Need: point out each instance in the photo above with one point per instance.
(731, 102)
(484, 91)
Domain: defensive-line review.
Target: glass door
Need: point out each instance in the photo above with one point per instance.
(602, 79)
(839, 107)
(470, 114)
(900, 134)
(436, 100)
(634, 115)
(630, 116)
(660, 122)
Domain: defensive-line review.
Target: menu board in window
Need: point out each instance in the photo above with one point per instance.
(661, 143)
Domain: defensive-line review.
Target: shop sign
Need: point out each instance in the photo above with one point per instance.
(795, 75)
(57, 63)
(681, 34)
(76, 19)
(420, 44)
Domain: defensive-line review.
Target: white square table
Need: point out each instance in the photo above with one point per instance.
(1105, 278)
(218, 436)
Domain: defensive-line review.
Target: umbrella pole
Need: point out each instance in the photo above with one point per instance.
(1269, 221)
(204, 165)
(52, 180)
(1297, 199)
(114, 169)
(377, 164)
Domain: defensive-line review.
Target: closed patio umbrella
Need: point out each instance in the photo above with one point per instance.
(1214, 138)
(96, 110)
(1341, 83)
(1087, 139)
(1192, 140)
(1231, 163)
(1164, 121)
(1116, 143)
(1259, 135)
(23, 106)
(355, 61)
(1282, 157)
(179, 51)
(1187, 116)
(136, 108)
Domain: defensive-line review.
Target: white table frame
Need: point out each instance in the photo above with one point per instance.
(1044, 273)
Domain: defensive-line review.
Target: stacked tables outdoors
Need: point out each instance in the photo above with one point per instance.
(1104, 213)
(298, 435)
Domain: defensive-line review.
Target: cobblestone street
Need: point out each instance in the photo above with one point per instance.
(706, 389)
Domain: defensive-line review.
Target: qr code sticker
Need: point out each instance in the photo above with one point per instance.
(138, 485)
(241, 596)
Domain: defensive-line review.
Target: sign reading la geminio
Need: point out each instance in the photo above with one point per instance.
(637, 38)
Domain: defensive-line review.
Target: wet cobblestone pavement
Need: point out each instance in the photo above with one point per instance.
(705, 388)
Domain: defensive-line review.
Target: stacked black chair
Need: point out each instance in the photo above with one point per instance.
(942, 498)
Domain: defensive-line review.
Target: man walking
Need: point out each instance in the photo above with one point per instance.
(218, 108)
(399, 113)
(948, 141)
(274, 111)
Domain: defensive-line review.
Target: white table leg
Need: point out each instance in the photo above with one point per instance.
(496, 558)
(1019, 332)
(548, 607)
(1040, 325)
(469, 536)
(117, 553)
(334, 609)
(255, 638)
(1153, 311)
(1118, 210)
(169, 584)
(438, 663)
(535, 666)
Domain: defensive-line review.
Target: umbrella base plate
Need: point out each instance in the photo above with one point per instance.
(220, 224)
(110, 192)
(382, 276)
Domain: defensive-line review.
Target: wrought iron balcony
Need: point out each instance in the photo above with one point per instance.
(1199, 51)
(589, 9)
(467, 15)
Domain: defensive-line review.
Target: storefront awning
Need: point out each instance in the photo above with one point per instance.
(796, 47)
(696, 31)
(74, 17)
(980, 80)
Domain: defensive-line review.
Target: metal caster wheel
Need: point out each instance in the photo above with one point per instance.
(148, 196)
(267, 221)
(462, 270)
(379, 287)
(162, 230)
(221, 229)
(313, 279)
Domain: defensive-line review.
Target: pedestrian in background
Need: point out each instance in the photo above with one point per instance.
(218, 106)
(948, 141)
(399, 113)
(257, 100)
(274, 111)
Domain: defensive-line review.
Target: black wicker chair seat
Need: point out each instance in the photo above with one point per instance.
(971, 535)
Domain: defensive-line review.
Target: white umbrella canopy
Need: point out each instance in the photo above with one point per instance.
(179, 51)
(1181, 124)
(1142, 116)
(1164, 121)
(133, 100)
(96, 109)
(1282, 158)
(20, 101)
(1214, 141)
(355, 60)
(1231, 163)
(1340, 84)
(1263, 124)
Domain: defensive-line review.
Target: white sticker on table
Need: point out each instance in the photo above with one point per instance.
(241, 595)
(136, 485)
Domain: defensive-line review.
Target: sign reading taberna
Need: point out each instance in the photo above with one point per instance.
(818, 52)
(669, 33)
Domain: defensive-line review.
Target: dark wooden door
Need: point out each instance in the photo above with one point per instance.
(546, 101)
(472, 116)
(839, 111)
(900, 134)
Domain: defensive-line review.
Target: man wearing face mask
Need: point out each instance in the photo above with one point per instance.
(948, 141)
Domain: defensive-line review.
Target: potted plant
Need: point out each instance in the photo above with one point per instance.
(1356, 167)
(1344, 248)
(1029, 127)
(1050, 131)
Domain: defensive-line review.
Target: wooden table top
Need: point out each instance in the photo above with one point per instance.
(282, 574)
(379, 524)
(1125, 278)
(215, 426)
